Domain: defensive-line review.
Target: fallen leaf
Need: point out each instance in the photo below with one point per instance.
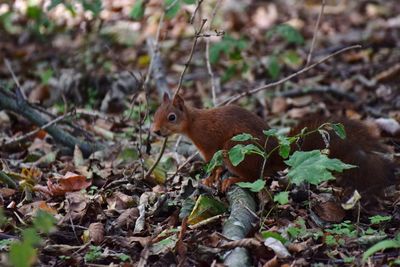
(330, 211)
(390, 126)
(32, 208)
(76, 204)
(96, 232)
(126, 218)
(69, 183)
(7, 192)
(119, 201)
(277, 246)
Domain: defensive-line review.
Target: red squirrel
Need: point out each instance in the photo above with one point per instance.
(212, 129)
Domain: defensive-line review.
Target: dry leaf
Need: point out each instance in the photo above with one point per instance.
(69, 183)
(96, 232)
(127, 218)
(330, 211)
(76, 205)
(31, 208)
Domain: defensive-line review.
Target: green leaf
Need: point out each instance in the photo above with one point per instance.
(124, 257)
(382, 245)
(94, 6)
(256, 186)
(277, 236)
(339, 130)
(313, 167)
(243, 137)
(270, 132)
(282, 198)
(273, 67)
(22, 254)
(166, 244)
(173, 7)
(46, 75)
(237, 153)
(137, 11)
(44, 222)
(205, 208)
(34, 12)
(216, 161)
(379, 219)
(128, 154)
(292, 59)
(30, 237)
(230, 46)
(284, 146)
(189, 2)
(93, 254)
(290, 34)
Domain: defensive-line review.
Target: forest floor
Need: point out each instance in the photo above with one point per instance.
(84, 70)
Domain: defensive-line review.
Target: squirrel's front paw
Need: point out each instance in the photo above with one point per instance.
(226, 183)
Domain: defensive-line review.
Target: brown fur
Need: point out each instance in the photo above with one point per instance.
(211, 130)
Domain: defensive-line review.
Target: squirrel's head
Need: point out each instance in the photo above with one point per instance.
(170, 117)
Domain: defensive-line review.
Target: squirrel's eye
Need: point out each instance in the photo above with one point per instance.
(171, 117)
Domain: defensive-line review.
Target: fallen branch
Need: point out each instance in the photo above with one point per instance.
(239, 224)
(319, 90)
(283, 80)
(32, 133)
(20, 106)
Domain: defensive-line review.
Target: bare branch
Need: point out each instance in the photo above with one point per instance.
(315, 32)
(283, 80)
(190, 57)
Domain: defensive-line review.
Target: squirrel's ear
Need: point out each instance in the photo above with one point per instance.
(166, 97)
(179, 102)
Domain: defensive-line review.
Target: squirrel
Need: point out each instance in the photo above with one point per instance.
(212, 129)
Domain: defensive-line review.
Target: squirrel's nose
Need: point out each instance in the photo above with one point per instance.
(158, 132)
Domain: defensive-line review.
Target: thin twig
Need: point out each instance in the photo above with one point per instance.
(8, 65)
(32, 133)
(149, 172)
(195, 11)
(19, 90)
(189, 57)
(209, 68)
(183, 165)
(283, 80)
(315, 32)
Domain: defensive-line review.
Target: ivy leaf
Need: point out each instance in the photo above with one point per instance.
(237, 153)
(189, 2)
(313, 167)
(172, 8)
(290, 34)
(137, 11)
(273, 67)
(216, 161)
(243, 137)
(282, 198)
(255, 187)
(339, 130)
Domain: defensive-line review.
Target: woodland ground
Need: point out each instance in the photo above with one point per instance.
(83, 66)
